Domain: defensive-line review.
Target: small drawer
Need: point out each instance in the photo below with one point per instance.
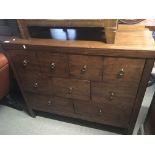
(86, 67)
(35, 84)
(103, 92)
(50, 104)
(25, 62)
(54, 65)
(71, 88)
(123, 70)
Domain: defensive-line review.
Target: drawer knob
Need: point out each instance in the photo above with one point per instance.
(25, 63)
(52, 65)
(35, 85)
(112, 94)
(24, 46)
(49, 102)
(100, 112)
(70, 90)
(83, 70)
(121, 73)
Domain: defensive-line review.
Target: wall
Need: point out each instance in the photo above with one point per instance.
(8, 27)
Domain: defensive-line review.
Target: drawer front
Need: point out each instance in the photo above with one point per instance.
(123, 70)
(55, 65)
(35, 84)
(86, 67)
(25, 63)
(84, 108)
(71, 88)
(106, 114)
(50, 104)
(113, 92)
(63, 104)
(39, 102)
(117, 101)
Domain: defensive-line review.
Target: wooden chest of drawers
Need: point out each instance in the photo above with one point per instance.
(99, 83)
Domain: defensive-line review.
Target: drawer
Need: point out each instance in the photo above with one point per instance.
(55, 65)
(71, 88)
(106, 114)
(63, 104)
(103, 92)
(39, 102)
(123, 70)
(35, 84)
(25, 63)
(50, 104)
(86, 67)
(84, 108)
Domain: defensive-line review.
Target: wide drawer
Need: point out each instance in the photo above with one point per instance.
(86, 67)
(55, 65)
(50, 104)
(107, 114)
(71, 88)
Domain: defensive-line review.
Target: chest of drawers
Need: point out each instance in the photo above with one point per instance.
(98, 83)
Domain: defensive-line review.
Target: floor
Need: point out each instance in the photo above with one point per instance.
(144, 108)
(16, 122)
(20, 123)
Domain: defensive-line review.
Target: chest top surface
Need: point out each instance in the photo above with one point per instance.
(129, 43)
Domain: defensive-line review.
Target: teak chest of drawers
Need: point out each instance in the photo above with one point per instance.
(87, 80)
